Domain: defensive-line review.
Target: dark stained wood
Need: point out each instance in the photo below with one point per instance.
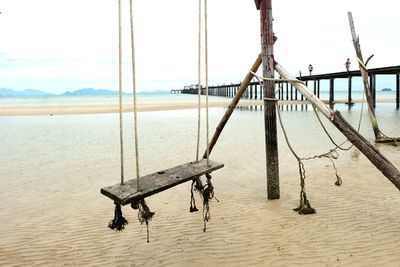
(159, 181)
(372, 86)
(331, 91)
(271, 138)
(349, 98)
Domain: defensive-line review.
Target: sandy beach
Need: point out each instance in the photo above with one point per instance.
(52, 169)
(104, 108)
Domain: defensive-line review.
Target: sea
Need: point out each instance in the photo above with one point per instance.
(153, 98)
(52, 169)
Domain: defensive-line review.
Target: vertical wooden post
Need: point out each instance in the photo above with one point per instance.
(287, 90)
(279, 92)
(291, 92)
(397, 91)
(372, 86)
(318, 87)
(349, 99)
(315, 87)
(255, 92)
(331, 91)
(271, 138)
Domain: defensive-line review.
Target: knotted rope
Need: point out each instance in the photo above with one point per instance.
(144, 216)
(119, 222)
(206, 193)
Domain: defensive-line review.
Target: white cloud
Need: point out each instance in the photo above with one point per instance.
(58, 45)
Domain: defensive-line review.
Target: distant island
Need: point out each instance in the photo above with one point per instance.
(386, 90)
(90, 91)
(5, 92)
(28, 92)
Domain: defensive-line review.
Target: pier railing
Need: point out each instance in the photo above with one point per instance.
(287, 92)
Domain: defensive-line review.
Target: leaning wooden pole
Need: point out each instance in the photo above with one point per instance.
(233, 105)
(380, 161)
(364, 75)
(271, 138)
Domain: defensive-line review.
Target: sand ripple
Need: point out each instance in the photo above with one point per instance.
(52, 213)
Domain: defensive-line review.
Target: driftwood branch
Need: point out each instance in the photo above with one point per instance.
(233, 104)
(364, 75)
(380, 161)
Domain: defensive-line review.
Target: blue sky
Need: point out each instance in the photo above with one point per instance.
(64, 45)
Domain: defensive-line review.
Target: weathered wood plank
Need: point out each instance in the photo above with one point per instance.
(159, 181)
(271, 137)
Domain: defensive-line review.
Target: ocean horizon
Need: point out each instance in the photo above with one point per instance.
(154, 98)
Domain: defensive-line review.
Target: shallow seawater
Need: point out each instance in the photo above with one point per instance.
(52, 213)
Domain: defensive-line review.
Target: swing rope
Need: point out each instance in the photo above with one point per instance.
(206, 62)
(121, 130)
(198, 86)
(144, 213)
(119, 222)
(206, 191)
(134, 97)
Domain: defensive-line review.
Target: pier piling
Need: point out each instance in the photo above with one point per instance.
(398, 91)
(271, 138)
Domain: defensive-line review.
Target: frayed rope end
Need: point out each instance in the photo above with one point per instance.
(119, 222)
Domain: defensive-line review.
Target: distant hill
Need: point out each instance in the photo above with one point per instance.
(386, 90)
(5, 92)
(90, 91)
(27, 92)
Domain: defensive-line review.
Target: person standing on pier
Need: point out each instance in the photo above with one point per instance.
(310, 69)
(347, 64)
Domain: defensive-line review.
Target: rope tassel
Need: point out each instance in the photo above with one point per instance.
(305, 207)
(338, 180)
(119, 222)
(194, 186)
(144, 216)
(208, 194)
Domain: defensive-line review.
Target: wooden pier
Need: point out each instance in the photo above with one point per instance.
(287, 92)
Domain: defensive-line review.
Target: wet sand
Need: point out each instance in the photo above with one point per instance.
(52, 213)
(101, 109)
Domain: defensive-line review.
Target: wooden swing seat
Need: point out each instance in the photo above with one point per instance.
(156, 182)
